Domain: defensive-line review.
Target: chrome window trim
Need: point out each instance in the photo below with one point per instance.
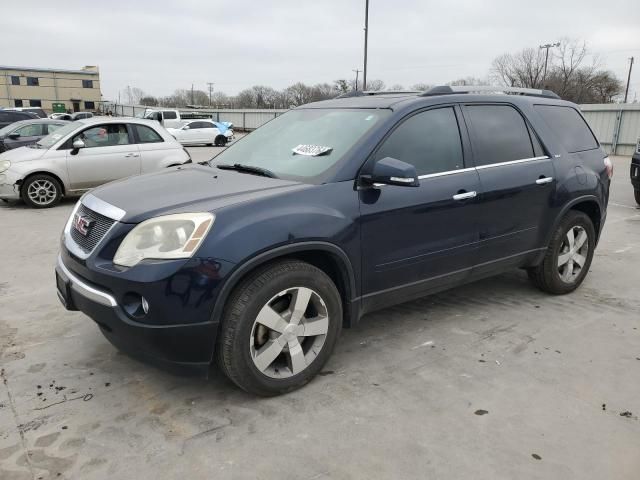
(448, 172)
(511, 162)
(103, 208)
(86, 290)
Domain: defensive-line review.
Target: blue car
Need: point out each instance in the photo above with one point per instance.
(257, 259)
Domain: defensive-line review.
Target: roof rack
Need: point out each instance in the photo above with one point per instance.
(364, 93)
(448, 90)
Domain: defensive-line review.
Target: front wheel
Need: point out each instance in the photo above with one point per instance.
(221, 141)
(279, 328)
(41, 191)
(568, 256)
(636, 193)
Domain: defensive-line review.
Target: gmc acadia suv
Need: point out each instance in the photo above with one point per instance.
(328, 212)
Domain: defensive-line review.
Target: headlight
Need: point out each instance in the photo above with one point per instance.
(167, 237)
(4, 165)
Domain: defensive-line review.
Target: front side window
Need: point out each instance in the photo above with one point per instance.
(430, 141)
(499, 134)
(35, 103)
(169, 115)
(108, 135)
(147, 134)
(569, 127)
(33, 81)
(320, 136)
(29, 130)
(87, 83)
(15, 80)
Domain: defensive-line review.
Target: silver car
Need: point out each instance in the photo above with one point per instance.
(85, 154)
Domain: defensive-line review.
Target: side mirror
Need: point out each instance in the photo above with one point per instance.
(391, 171)
(13, 136)
(77, 145)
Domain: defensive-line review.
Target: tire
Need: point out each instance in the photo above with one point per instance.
(636, 194)
(560, 272)
(259, 359)
(221, 141)
(41, 191)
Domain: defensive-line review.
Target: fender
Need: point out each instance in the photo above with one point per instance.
(563, 212)
(282, 251)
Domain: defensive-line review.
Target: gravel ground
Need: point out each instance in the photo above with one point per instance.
(493, 380)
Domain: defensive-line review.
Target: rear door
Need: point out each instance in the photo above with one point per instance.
(416, 239)
(517, 183)
(110, 153)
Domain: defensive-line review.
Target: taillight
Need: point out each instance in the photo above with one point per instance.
(609, 166)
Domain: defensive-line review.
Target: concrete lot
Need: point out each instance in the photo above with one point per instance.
(493, 380)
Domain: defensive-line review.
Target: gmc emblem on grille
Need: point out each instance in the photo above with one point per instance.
(82, 224)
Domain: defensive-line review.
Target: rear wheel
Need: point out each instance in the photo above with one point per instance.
(41, 191)
(636, 194)
(568, 256)
(279, 328)
(221, 141)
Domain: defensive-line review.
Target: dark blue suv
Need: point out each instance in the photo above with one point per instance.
(328, 212)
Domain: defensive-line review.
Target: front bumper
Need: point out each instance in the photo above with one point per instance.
(8, 188)
(185, 348)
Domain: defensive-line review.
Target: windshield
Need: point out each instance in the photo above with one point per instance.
(53, 138)
(9, 128)
(302, 143)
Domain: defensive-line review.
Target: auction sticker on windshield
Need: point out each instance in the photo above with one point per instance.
(311, 150)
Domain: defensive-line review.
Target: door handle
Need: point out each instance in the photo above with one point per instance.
(544, 180)
(464, 195)
(131, 155)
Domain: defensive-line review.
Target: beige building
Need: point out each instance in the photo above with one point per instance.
(77, 90)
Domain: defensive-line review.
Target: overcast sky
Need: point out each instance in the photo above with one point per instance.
(162, 45)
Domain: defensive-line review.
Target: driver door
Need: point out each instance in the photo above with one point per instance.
(420, 239)
(110, 153)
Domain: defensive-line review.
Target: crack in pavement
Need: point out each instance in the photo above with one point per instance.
(16, 419)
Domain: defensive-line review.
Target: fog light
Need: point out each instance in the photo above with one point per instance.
(145, 305)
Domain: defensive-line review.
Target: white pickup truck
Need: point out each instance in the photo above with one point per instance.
(167, 118)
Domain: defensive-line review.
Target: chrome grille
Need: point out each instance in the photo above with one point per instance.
(98, 230)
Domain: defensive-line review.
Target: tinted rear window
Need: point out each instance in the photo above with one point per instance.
(499, 134)
(169, 115)
(569, 127)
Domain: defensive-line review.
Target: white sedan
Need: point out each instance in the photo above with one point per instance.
(205, 132)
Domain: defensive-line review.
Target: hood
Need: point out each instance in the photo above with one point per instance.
(23, 154)
(193, 188)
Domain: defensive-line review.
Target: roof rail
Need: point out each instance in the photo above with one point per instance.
(364, 93)
(448, 90)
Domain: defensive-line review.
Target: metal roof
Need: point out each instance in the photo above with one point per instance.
(52, 70)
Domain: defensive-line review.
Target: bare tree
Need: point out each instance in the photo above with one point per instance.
(341, 86)
(375, 85)
(421, 87)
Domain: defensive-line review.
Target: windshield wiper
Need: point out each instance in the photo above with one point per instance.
(239, 167)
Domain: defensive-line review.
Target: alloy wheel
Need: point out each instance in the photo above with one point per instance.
(573, 254)
(42, 192)
(289, 332)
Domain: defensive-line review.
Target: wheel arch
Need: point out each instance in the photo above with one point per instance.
(328, 257)
(41, 172)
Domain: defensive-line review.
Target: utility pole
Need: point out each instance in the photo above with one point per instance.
(546, 56)
(626, 92)
(366, 34)
(357, 72)
(210, 90)
(192, 102)
(129, 93)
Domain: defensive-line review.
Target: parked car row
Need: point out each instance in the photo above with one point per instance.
(77, 156)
